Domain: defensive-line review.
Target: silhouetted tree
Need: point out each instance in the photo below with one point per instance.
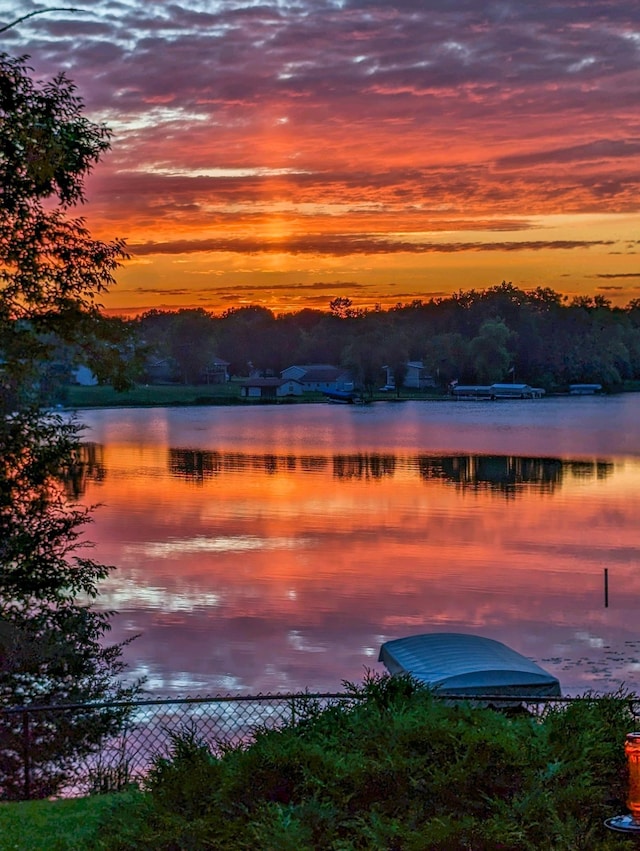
(51, 270)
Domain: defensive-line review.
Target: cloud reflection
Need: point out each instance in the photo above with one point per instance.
(201, 544)
(281, 568)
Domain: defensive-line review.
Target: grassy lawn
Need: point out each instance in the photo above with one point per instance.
(162, 395)
(65, 825)
(147, 395)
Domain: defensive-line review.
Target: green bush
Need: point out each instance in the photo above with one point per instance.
(396, 769)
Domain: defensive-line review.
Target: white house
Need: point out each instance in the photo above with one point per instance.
(319, 377)
(416, 377)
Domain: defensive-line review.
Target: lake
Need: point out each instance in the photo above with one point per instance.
(274, 548)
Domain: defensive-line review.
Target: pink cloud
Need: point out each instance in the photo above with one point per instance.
(351, 119)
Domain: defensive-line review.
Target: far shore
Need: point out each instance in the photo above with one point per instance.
(183, 395)
(171, 395)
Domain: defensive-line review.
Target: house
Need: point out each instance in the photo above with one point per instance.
(215, 372)
(318, 377)
(269, 388)
(417, 377)
(161, 370)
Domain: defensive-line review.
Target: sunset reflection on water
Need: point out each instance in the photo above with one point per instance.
(250, 562)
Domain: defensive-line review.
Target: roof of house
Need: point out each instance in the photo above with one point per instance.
(316, 372)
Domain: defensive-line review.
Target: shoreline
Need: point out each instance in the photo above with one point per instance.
(180, 396)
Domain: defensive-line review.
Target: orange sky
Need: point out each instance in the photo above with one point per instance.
(286, 153)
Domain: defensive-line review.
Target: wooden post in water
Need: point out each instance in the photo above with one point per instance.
(606, 587)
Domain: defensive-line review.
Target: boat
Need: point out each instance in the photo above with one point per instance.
(347, 397)
(454, 663)
(584, 389)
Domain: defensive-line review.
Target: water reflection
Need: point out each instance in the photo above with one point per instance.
(503, 473)
(246, 563)
(507, 473)
(87, 465)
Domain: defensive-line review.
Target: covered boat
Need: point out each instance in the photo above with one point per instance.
(344, 396)
(460, 664)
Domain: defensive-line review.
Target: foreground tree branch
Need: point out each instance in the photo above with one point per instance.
(33, 14)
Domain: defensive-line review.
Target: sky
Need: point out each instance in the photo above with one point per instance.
(286, 152)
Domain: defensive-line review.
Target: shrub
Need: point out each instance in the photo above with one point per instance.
(397, 769)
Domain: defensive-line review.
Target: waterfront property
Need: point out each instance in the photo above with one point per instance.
(270, 388)
(416, 377)
(496, 391)
(319, 377)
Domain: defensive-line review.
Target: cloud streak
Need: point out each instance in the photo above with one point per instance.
(268, 124)
(346, 244)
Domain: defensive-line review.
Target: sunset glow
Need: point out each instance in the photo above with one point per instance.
(287, 153)
(252, 561)
(281, 554)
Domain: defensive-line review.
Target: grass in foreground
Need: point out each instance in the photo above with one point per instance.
(65, 825)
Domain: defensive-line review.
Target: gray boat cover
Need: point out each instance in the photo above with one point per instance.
(458, 663)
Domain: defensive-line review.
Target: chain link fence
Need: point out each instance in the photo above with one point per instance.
(33, 739)
(147, 728)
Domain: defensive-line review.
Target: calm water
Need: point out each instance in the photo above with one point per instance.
(275, 548)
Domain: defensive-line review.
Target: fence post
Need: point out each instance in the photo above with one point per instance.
(293, 711)
(26, 754)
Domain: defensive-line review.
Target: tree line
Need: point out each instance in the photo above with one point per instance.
(476, 336)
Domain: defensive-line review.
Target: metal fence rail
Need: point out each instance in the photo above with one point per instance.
(151, 726)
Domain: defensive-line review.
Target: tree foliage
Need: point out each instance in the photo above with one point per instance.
(52, 648)
(472, 336)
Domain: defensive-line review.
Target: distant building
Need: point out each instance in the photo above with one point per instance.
(417, 377)
(318, 377)
(161, 370)
(496, 391)
(215, 372)
(269, 388)
(584, 389)
(515, 391)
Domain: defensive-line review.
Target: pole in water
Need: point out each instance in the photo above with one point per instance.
(606, 587)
